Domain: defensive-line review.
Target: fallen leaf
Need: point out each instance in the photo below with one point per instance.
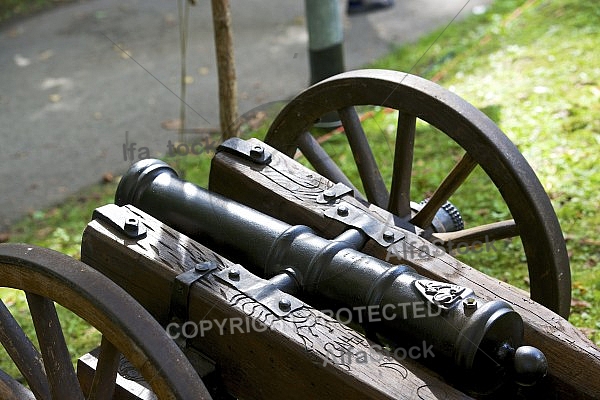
(107, 177)
(44, 55)
(42, 233)
(98, 115)
(50, 83)
(4, 237)
(590, 263)
(203, 71)
(257, 120)
(16, 32)
(55, 98)
(171, 124)
(580, 304)
(170, 19)
(122, 50)
(53, 212)
(21, 61)
(189, 80)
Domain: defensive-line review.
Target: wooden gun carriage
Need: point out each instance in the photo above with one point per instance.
(284, 281)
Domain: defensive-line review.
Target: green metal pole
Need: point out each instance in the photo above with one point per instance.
(325, 38)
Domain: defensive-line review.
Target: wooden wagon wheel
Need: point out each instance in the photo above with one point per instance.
(127, 328)
(484, 144)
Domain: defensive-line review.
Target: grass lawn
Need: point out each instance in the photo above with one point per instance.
(19, 8)
(532, 66)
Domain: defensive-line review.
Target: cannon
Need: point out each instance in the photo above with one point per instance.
(476, 335)
(290, 280)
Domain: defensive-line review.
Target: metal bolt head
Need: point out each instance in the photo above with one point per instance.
(329, 194)
(131, 225)
(285, 305)
(470, 304)
(256, 151)
(388, 236)
(342, 211)
(234, 274)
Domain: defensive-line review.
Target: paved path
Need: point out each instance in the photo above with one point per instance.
(67, 94)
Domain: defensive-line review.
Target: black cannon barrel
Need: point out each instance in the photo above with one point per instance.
(463, 330)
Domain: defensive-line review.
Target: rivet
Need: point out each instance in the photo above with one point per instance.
(470, 304)
(342, 211)
(329, 194)
(388, 236)
(256, 151)
(285, 305)
(234, 274)
(131, 225)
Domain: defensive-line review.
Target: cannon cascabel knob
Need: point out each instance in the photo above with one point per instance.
(530, 365)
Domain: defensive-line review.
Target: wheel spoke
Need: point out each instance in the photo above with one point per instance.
(403, 158)
(103, 385)
(23, 353)
(322, 163)
(363, 156)
(63, 381)
(455, 178)
(478, 235)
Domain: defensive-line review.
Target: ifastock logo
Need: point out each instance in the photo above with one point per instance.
(134, 152)
(230, 326)
(346, 354)
(338, 353)
(404, 250)
(205, 140)
(387, 312)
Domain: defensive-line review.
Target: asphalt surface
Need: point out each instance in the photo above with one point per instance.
(68, 94)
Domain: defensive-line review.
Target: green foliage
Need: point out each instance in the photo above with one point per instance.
(15, 8)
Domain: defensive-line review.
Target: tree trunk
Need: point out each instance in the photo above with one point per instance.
(228, 112)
